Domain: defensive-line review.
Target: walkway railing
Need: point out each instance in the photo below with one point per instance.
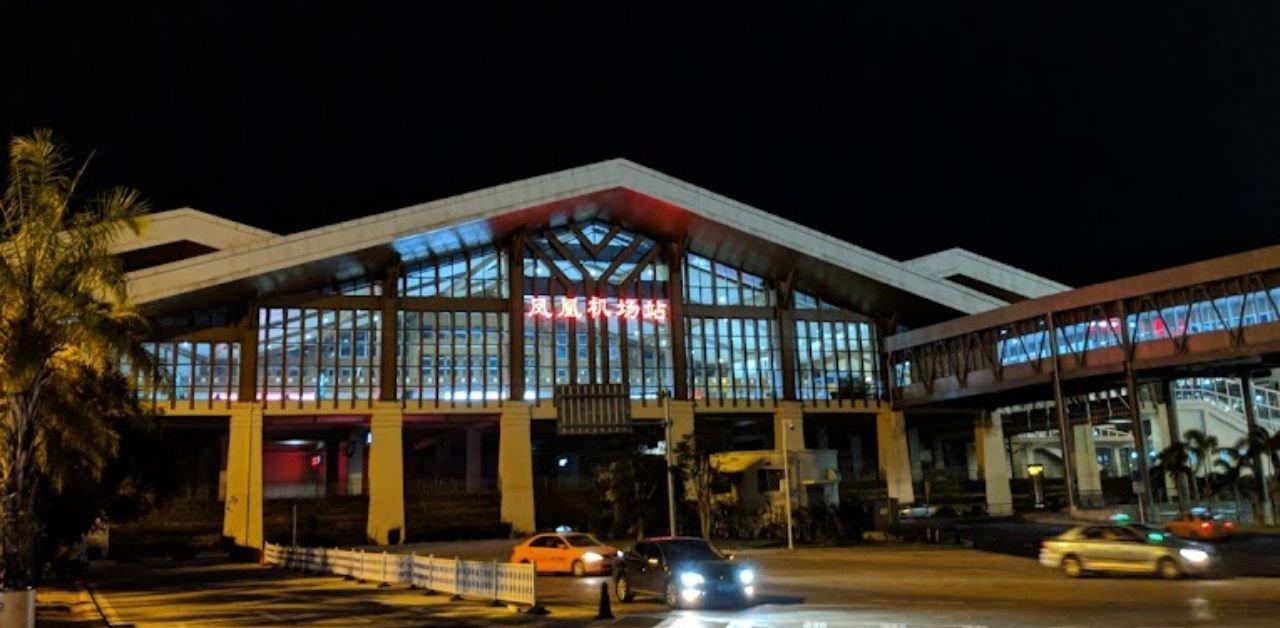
(499, 582)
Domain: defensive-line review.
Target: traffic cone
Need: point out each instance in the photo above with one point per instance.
(605, 612)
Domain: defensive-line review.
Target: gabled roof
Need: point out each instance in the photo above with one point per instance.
(186, 224)
(471, 218)
(958, 262)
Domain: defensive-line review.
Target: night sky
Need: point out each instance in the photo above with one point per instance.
(1082, 145)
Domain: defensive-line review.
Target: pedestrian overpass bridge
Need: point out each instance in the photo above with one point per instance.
(1220, 316)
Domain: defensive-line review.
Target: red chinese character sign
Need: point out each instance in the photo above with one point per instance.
(652, 310)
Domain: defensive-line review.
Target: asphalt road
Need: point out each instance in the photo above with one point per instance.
(860, 586)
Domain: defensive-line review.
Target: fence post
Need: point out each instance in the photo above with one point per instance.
(360, 577)
(431, 574)
(457, 579)
(536, 609)
(384, 582)
(413, 570)
(493, 565)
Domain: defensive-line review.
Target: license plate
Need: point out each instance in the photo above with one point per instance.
(726, 588)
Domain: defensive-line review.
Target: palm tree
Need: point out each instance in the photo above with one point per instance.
(65, 323)
(1256, 445)
(1203, 447)
(1176, 461)
(1231, 463)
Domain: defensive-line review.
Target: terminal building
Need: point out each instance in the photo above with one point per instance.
(476, 344)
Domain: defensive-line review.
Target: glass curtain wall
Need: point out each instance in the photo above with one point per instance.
(447, 349)
(186, 372)
(317, 355)
(730, 357)
(595, 308)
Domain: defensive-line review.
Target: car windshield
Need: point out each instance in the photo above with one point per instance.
(582, 540)
(692, 549)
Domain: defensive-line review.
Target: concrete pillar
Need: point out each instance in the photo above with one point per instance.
(915, 454)
(1163, 434)
(895, 462)
(789, 413)
(939, 455)
(993, 468)
(243, 518)
(515, 466)
(1085, 461)
(855, 457)
(355, 464)
(475, 478)
(332, 483)
(386, 473)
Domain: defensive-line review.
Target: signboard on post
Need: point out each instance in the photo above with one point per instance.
(593, 409)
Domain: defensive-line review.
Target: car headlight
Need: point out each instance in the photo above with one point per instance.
(746, 576)
(691, 579)
(591, 557)
(619, 553)
(1194, 555)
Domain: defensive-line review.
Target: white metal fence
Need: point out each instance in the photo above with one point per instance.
(502, 582)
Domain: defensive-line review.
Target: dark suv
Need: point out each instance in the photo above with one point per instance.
(684, 571)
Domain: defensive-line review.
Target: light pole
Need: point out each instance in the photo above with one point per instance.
(786, 479)
(670, 451)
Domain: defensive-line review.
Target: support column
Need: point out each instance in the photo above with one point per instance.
(386, 474)
(332, 483)
(915, 453)
(789, 412)
(515, 467)
(243, 516)
(1164, 433)
(475, 478)
(895, 462)
(993, 468)
(355, 464)
(1084, 459)
(1263, 514)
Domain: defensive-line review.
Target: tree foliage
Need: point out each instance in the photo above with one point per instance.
(65, 325)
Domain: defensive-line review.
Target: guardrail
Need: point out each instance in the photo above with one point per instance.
(498, 582)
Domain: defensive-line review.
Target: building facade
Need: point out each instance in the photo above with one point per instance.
(428, 349)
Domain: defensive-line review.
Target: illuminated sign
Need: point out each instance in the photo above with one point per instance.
(653, 310)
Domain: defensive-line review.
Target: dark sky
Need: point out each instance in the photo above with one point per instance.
(1080, 143)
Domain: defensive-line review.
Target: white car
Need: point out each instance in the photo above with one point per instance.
(1125, 549)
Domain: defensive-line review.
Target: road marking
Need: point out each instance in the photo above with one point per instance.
(108, 611)
(1200, 609)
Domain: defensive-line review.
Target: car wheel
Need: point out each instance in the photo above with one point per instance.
(1072, 567)
(579, 569)
(671, 595)
(623, 590)
(1168, 569)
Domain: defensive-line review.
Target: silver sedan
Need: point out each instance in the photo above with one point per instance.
(1125, 549)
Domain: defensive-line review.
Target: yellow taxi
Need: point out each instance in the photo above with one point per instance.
(1201, 524)
(566, 552)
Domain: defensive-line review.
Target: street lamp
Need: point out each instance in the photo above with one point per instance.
(1036, 471)
(786, 479)
(670, 451)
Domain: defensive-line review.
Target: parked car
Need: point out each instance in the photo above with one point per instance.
(917, 511)
(566, 552)
(683, 571)
(1125, 549)
(1201, 524)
